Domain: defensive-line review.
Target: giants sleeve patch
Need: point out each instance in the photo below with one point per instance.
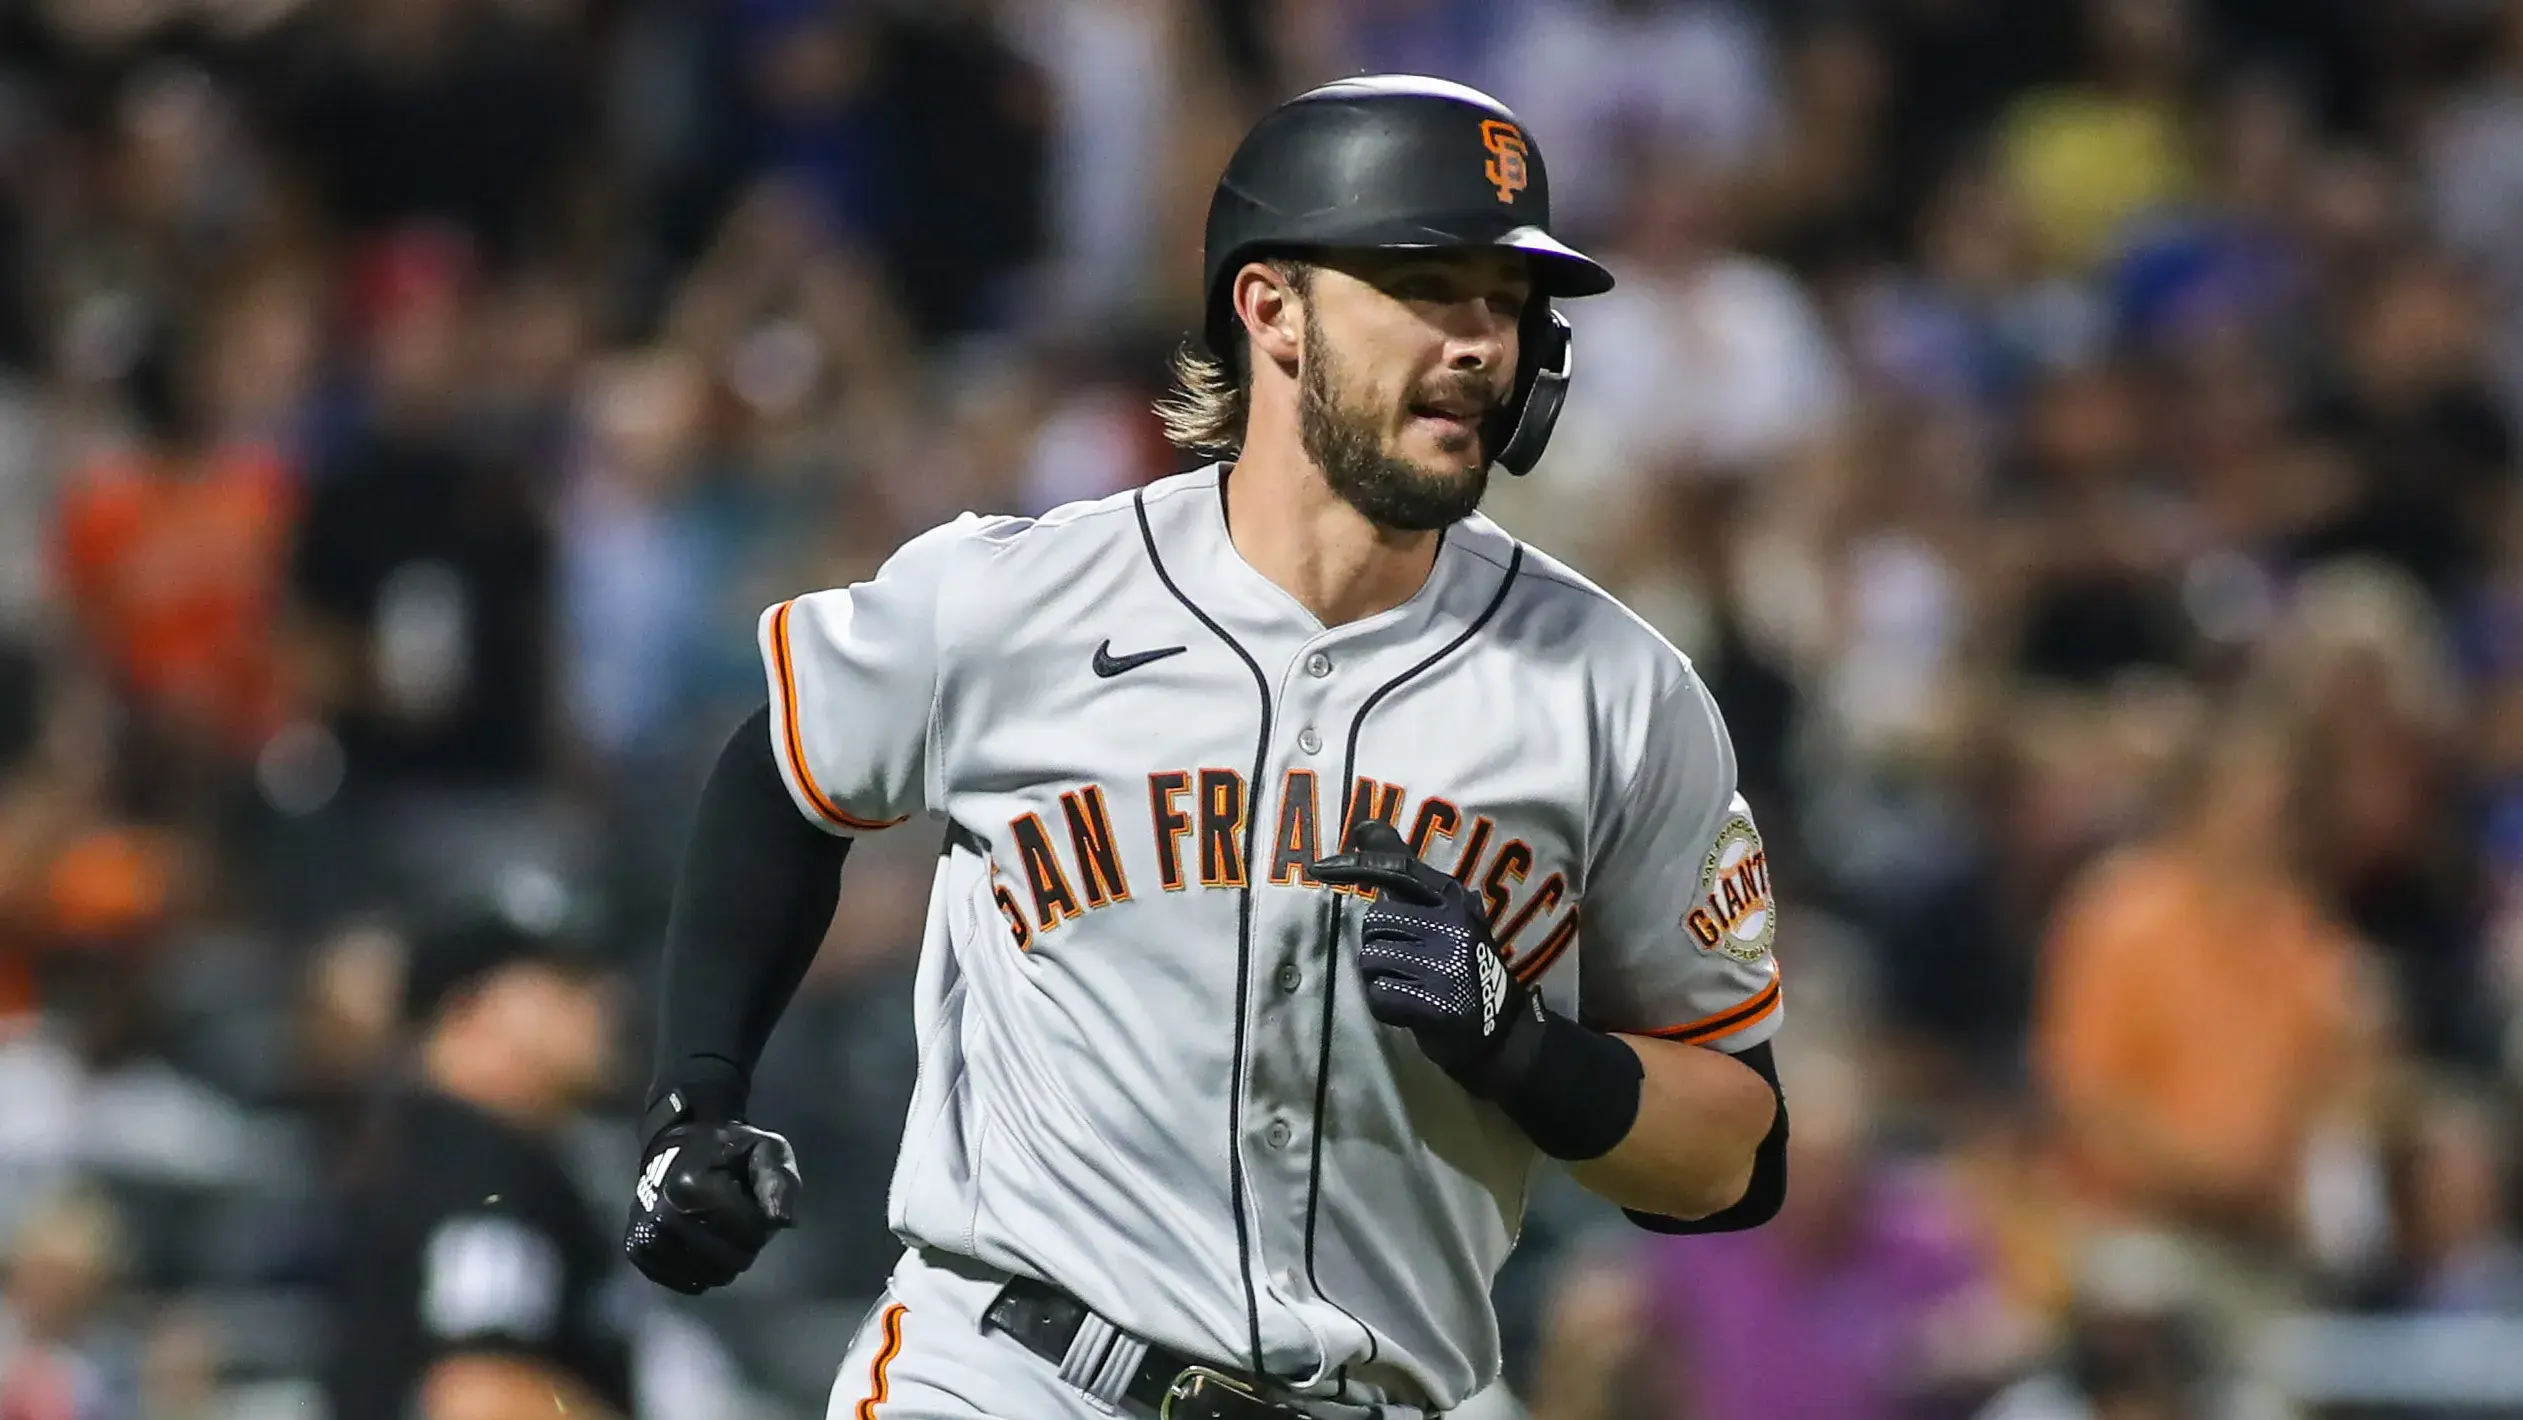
(1734, 915)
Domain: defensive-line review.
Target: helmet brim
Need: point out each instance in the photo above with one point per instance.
(1561, 269)
(1558, 268)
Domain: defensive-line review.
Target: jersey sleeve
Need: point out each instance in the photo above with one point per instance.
(1678, 918)
(853, 675)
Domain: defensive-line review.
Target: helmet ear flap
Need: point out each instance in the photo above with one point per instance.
(1520, 429)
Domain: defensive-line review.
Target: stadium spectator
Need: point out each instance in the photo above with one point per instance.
(173, 552)
(1871, 1297)
(422, 587)
(2201, 1016)
(2140, 1342)
(473, 1274)
(454, 111)
(2088, 156)
(60, 1356)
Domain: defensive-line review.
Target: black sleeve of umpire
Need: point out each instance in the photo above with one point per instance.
(752, 904)
(1768, 1189)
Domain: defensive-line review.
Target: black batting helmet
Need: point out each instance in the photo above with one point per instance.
(1399, 162)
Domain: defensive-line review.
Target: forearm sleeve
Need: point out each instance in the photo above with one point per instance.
(753, 902)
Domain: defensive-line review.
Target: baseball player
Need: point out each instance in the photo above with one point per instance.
(1316, 858)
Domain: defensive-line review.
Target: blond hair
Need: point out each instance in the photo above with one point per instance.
(2360, 611)
(1206, 410)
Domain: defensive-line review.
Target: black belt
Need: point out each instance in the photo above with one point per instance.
(1046, 1319)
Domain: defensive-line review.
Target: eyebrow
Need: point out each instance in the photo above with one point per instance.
(1415, 264)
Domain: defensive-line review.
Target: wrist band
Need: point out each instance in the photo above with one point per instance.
(1572, 1089)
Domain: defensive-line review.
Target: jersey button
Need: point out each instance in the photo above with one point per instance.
(1318, 665)
(1289, 977)
(1309, 741)
(1278, 1134)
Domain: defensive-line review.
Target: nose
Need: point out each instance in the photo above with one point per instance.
(1478, 337)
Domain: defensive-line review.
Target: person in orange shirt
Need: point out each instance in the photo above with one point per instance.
(172, 567)
(2196, 1015)
(74, 877)
(171, 554)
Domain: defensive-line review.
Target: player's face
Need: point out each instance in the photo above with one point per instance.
(1406, 355)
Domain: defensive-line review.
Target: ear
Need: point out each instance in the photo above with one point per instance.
(1269, 312)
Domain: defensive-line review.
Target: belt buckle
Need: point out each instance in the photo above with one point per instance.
(1198, 1383)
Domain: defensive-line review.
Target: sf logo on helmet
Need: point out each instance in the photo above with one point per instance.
(1505, 168)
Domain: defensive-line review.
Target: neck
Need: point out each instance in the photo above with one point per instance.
(1288, 524)
(484, 1077)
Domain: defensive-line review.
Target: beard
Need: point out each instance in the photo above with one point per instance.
(1347, 444)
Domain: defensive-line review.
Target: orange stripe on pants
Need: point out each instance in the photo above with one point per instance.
(884, 1357)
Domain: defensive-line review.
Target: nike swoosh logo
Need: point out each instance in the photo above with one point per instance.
(1109, 665)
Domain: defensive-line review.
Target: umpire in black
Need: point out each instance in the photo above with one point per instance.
(476, 1283)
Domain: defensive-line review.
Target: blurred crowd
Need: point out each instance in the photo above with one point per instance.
(2077, 442)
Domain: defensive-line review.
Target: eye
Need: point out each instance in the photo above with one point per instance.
(1422, 286)
(1509, 304)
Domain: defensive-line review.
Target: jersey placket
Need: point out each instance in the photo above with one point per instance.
(1294, 989)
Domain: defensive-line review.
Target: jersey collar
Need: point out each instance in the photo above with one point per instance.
(1199, 551)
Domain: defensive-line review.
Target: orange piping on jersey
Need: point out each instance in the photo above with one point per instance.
(1724, 1023)
(884, 1358)
(796, 741)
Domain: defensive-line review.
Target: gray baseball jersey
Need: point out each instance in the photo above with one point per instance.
(1147, 1070)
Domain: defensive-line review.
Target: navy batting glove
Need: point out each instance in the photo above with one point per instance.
(710, 1195)
(1430, 963)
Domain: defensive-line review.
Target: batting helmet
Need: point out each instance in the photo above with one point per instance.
(1398, 162)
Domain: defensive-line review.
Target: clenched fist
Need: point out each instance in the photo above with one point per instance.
(1428, 958)
(709, 1197)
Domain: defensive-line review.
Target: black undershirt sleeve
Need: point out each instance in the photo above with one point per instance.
(752, 903)
(1768, 1189)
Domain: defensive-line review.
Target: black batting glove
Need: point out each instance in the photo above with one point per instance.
(711, 1192)
(1431, 965)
